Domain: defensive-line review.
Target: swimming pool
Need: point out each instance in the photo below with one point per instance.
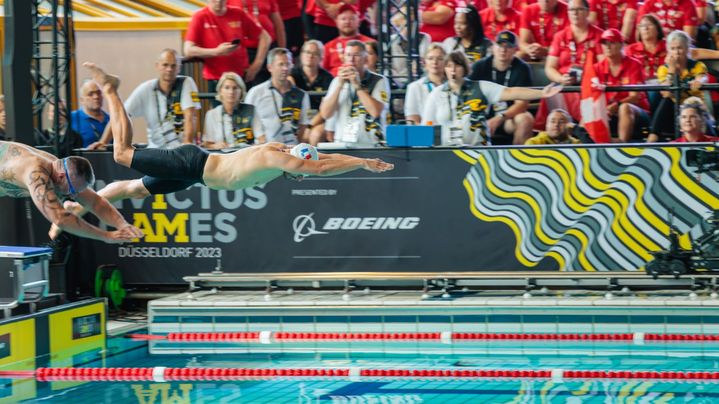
(503, 354)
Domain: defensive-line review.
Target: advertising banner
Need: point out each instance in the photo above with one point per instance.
(491, 209)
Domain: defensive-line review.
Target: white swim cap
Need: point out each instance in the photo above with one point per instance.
(305, 151)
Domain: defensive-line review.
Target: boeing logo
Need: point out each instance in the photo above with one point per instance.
(304, 225)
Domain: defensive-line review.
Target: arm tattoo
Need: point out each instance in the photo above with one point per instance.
(42, 190)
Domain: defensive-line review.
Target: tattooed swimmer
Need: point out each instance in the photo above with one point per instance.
(29, 172)
(172, 170)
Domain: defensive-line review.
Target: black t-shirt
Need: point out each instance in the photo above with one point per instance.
(321, 83)
(519, 74)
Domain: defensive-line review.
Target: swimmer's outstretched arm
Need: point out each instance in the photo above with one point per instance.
(335, 164)
(104, 211)
(334, 156)
(44, 197)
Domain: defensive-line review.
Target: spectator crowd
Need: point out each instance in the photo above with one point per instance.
(295, 71)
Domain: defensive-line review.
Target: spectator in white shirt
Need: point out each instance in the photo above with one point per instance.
(418, 91)
(282, 107)
(357, 101)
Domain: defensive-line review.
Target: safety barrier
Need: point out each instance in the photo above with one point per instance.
(446, 336)
(165, 374)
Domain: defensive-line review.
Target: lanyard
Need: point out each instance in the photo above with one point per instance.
(573, 52)
(453, 110)
(95, 131)
(507, 75)
(274, 102)
(429, 84)
(160, 118)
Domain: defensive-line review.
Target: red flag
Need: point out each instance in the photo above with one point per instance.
(593, 105)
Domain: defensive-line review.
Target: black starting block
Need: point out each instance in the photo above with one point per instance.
(24, 274)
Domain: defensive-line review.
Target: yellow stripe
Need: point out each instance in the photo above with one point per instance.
(112, 7)
(198, 3)
(689, 183)
(464, 156)
(139, 7)
(613, 198)
(166, 7)
(517, 233)
(143, 24)
(86, 9)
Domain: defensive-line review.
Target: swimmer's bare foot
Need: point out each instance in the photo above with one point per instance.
(102, 78)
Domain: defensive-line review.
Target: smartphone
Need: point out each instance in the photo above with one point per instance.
(236, 41)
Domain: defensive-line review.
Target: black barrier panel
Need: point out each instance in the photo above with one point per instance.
(568, 209)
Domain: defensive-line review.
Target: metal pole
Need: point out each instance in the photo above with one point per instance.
(69, 44)
(55, 81)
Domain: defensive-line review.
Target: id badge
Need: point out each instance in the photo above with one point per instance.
(352, 129)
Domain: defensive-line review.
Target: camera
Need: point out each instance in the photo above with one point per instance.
(703, 160)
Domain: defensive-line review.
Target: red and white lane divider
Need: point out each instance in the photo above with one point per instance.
(447, 337)
(166, 374)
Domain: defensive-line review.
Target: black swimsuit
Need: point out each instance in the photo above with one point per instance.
(170, 170)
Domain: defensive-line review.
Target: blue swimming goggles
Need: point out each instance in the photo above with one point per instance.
(67, 176)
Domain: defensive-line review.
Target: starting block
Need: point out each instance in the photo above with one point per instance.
(24, 274)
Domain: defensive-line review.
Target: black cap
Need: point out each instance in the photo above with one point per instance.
(507, 37)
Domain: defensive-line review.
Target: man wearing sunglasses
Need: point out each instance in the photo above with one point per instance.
(29, 172)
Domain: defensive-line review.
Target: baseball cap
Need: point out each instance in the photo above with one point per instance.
(347, 7)
(612, 35)
(507, 37)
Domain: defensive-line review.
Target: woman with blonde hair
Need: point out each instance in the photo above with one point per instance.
(418, 91)
(232, 123)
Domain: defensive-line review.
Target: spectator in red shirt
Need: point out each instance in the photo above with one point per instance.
(673, 15)
(499, 17)
(571, 45)
(348, 27)
(650, 48)
(437, 19)
(217, 34)
(692, 122)
(567, 57)
(628, 110)
(617, 14)
(267, 14)
(326, 13)
(538, 26)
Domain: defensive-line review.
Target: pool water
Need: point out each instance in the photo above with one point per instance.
(122, 352)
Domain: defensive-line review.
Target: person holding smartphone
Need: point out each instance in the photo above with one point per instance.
(218, 35)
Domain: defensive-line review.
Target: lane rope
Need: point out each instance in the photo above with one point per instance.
(445, 337)
(167, 374)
